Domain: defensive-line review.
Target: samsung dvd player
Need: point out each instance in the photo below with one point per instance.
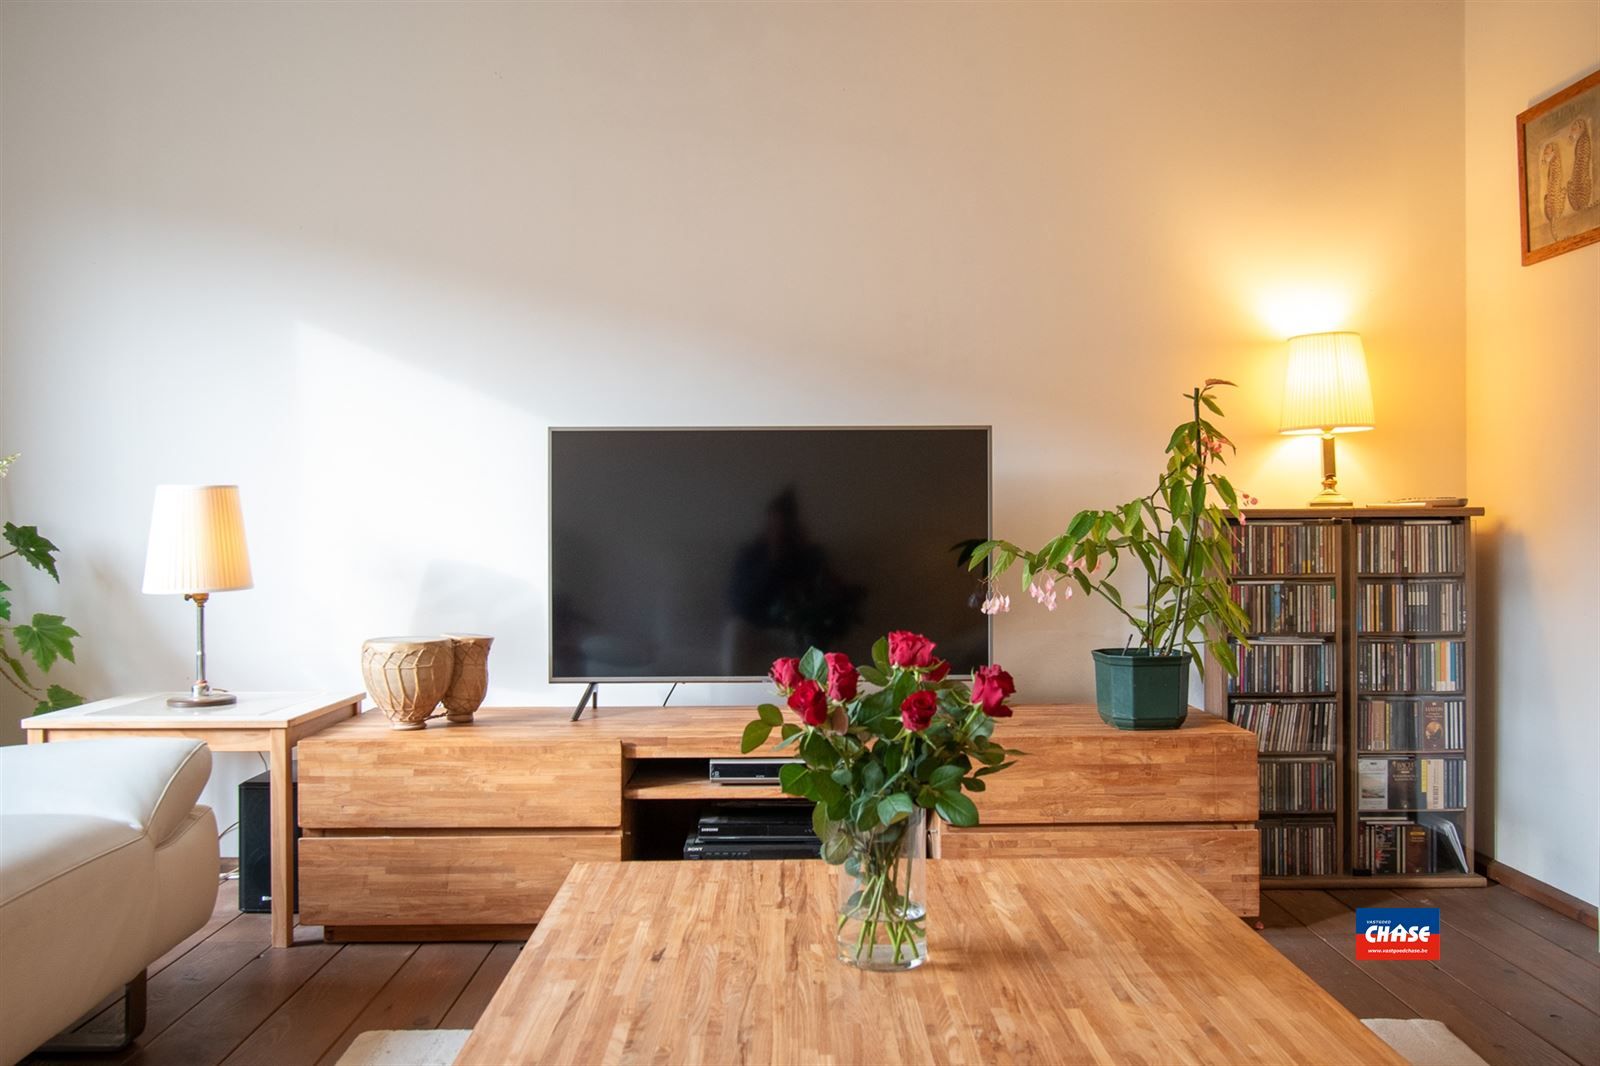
(748, 771)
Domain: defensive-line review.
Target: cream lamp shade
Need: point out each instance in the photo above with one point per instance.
(196, 541)
(1326, 389)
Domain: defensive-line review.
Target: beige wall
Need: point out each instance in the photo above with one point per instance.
(357, 257)
(1533, 390)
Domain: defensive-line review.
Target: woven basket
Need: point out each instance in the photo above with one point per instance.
(407, 676)
(470, 682)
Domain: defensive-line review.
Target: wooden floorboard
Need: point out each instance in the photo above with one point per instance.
(1425, 988)
(469, 1005)
(1339, 976)
(1518, 982)
(1538, 1007)
(419, 995)
(1468, 912)
(311, 1020)
(1557, 928)
(218, 1024)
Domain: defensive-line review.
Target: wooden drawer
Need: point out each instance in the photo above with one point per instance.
(441, 879)
(461, 778)
(1226, 859)
(1181, 775)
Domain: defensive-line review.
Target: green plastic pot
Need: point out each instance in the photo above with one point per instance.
(1136, 689)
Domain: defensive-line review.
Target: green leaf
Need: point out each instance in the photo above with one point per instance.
(47, 638)
(819, 822)
(871, 777)
(755, 735)
(895, 808)
(790, 777)
(770, 714)
(36, 550)
(836, 849)
(16, 666)
(975, 785)
(57, 699)
(5, 604)
(816, 751)
(814, 666)
(880, 655)
(946, 776)
(866, 816)
(957, 809)
(873, 676)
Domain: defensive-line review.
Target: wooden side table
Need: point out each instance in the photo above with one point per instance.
(268, 722)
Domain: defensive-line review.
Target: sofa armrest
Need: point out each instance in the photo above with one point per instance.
(148, 783)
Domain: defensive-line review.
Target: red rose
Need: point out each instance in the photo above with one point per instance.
(808, 702)
(785, 674)
(910, 649)
(990, 687)
(917, 710)
(940, 671)
(842, 676)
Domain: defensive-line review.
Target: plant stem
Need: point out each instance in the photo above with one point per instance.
(16, 684)
(1194, 525)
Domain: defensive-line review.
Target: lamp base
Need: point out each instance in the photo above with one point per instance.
(208, 699)
(1330, 498)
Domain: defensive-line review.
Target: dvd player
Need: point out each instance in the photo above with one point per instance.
(748, 771)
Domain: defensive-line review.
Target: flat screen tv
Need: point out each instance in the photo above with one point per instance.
(704, 554)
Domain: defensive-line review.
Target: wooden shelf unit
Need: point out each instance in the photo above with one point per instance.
(463, 832)
(1348, 697)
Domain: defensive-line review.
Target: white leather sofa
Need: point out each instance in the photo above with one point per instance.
(106, 863)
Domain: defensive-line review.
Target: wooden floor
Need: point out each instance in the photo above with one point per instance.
(1518, 982)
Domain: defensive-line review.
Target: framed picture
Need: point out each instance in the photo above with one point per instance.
(1556, 171)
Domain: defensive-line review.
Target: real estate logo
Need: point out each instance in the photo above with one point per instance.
(1397, 933)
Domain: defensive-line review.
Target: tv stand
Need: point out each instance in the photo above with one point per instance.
(590, 693)
(462, 832)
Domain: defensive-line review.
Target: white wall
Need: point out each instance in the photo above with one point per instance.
(356, 258)
(1533, 389)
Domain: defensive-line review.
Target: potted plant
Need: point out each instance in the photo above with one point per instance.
(45, 638)
(1179, 537)
(875, 763)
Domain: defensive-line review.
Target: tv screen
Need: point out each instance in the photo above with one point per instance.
(704, 554)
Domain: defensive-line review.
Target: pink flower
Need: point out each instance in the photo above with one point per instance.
(996, 604)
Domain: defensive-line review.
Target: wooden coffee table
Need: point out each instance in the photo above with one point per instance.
(1030, 960)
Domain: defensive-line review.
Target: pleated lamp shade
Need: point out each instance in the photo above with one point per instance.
(196, 541)
(1326, 389)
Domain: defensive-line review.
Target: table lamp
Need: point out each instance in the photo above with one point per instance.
(1326, 391)
(197, 548)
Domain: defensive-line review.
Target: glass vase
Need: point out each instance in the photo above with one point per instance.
(883, 919)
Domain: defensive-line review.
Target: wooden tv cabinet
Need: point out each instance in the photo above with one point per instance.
(461, 832)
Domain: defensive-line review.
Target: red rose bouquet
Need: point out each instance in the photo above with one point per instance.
(873, 762)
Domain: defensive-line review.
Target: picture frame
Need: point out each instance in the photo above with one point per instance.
(1557, 188)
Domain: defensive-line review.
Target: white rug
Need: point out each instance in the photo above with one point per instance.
(405, 1047)
(1422, 1042)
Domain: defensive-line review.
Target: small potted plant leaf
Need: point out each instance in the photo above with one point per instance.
(1179, 542)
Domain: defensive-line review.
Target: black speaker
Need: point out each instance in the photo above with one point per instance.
(255, 843)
